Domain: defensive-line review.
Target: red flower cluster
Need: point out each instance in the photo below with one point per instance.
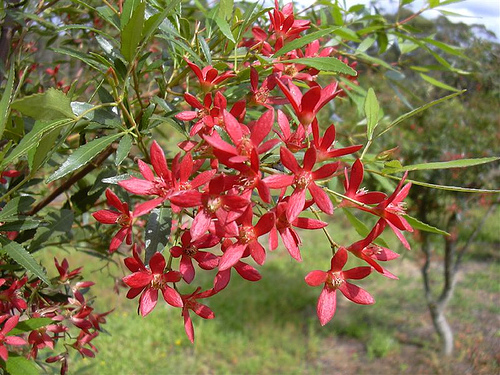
(226, 191)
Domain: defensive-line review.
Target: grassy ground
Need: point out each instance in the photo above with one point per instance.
(270, 326)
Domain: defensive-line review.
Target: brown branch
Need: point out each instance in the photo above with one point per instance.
(73, 179)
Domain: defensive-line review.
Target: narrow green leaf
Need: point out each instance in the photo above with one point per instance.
(372, 109)
(20, 225)
(6, 99)
(129, 7)
(83, 57)
(30, 325)
(51, 105)
(417, 224)
(328, 64)
(445, 47)
(306, 39)
(433, 3)
(365, 44)
(361, 228)
(33, 138)
(437, 83)
(132, 33)
(157, 231)
(58, 223)
(226, 9)
(37, 155)
(159, 22)
(16, 206)
(461, 163)
(418, 110)
(225, 28)
(19, 254)
(205, 49)
(337, 15)
(18, 365)
(123, 149)
(347, 34)
(83, 155)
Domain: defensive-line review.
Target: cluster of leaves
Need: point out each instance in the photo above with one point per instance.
(136, 67)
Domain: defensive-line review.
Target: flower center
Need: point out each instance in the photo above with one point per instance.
(123, 220)
(191, 251)
(157, 282)
(247, 234)
(245, 147)
(214, 204)
(303, 180)
(334, 280)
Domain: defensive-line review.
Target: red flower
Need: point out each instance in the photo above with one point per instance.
(244, 144)
(308, 105)
(289, 236)
(9, 340)
(11, 298)
(150, 281)
(353, 191)
(335, 279)
(63, 268)
(303, 178)
(248, 240)
(293, 141)
(261, 96)
(123, 217)
(324, 144)
(208, 76)
(199, 309)
(245, 270)
(370, 253)
(189, 250)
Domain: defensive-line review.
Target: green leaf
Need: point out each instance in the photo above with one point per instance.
(20, 225)
(461, 163)
(59, 223)
(19, 365)
(437, 83)
(445, 47)
(417, 224)
(372, 109)
(337, 15)
(83, 57)
(225, 28)
(347, 34)
(328, 64)
(159, 21)
(418, 110)
(30, 325)
(19, 254)
(361, 228)
(129, 7)
(16, 206)
(103, 116)
(157, 231)
(226, 9)
(205, 49)
(123, 149)
(132, 33)
(51, 105)
(6, 99)
(37, 155)
(433, 3)
(83, 155)
(33, 138)
(306, 39)
(365, 44)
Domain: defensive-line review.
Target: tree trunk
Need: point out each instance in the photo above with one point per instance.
(442, 327)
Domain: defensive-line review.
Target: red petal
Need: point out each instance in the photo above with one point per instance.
(265, 223)
(357, 273)
(293, 99)
(321, 198)
(309, 100)
(325, 171)
(187, 198)
(356, 177)
(137, 186)
(316, 278)
(192, 101)
(216, 142)
(232, 255)
(309, 159)
(306, 223)
(295, 204)
(290, 244)
(233, 127)
(328, 138)
(159, 162)
(289, 160)
(187, 269)
(327, 303)
(157, 263)
(146, 207)
(356, 294)
(200, 225)
(148, 301)
(278, 181)
(186, 115)
(257, 252)
(114, 201)
(106, 216)
(247, 271)
(188, 325)
(138, 279)
(339, 260)
(262, 127)
(172, 297)
(146, 172)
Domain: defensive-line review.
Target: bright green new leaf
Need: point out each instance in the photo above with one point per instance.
(83, 155)
(132, 33)
(19, 254)
(306, 39)
(372, 109)
(417, 224)
(437, 83)
(51, 105)
(327, 64)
